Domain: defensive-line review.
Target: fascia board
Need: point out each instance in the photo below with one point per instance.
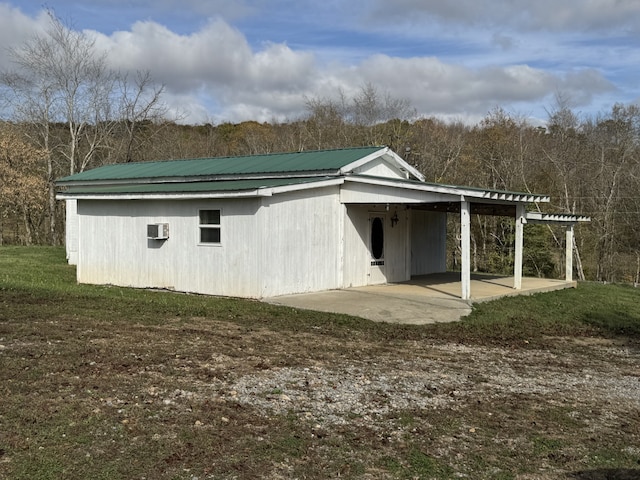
(561, 218)
(164, 196)
(306, 186)
(190, 179)
(260, 192)
(404, 165)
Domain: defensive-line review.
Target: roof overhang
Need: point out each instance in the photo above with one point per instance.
(557, 218)
(357, 189)
(475, 208)
(195, 190)
(463, 193)
(186, 179)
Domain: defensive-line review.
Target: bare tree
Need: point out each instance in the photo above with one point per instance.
(140, 102)
(437, 148)
(615, 143)
(369, 118)
(61, 79)
(325, 126)
(34, 106)
(373, 112)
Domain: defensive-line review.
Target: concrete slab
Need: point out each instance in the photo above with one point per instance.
(424, 299)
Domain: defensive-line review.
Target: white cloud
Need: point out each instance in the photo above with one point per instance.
(213, 72)
(214, 55)
(274, 82)
(433, 86)
(217, 62)
(15, 28)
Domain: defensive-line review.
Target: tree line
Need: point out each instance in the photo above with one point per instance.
(67, 112)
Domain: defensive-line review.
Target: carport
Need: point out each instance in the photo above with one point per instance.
(522, 217)
(419, 197)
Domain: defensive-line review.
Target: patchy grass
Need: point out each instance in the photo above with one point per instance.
(107, 382)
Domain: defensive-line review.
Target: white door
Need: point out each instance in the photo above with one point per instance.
(376, 248)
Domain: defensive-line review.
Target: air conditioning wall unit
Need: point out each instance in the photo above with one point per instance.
(158, 231)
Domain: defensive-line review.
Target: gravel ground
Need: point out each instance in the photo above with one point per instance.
(449, 375)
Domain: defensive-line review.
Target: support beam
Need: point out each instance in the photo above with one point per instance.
(465, 247)
(517, 262)
(568, 255)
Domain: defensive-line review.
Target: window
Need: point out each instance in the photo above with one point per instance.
(209, 226)
(377, 240)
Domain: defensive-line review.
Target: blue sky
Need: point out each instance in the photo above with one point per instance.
(224, 60)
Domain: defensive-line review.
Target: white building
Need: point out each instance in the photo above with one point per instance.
(266, 225)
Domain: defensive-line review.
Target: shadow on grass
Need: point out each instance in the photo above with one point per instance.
(607, 474)
(617, 323)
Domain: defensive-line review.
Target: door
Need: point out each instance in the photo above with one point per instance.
(376, 248)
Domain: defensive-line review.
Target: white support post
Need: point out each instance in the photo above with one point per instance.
(568, 254)
(465, 247)
(517, 262)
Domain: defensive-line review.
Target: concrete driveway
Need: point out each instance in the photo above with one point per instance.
(424, 299)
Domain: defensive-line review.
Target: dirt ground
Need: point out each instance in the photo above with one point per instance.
(476, 409)
(210, 399)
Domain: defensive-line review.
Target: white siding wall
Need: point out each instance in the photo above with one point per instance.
(357, 258)
(114, 248)
(428, 242)
(300, 242)
(397, 246)
(381, 168)
(290, 243)
(356, 246)
(71, 231)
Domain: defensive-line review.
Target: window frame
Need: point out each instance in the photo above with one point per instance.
(210, 226)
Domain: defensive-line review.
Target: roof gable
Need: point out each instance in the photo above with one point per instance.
(392, 165)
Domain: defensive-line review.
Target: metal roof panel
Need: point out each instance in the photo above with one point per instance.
(294, 162)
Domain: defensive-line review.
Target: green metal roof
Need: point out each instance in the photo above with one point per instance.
(275, 163)
(191, 187)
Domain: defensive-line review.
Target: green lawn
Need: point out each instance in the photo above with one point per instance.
(40, 277)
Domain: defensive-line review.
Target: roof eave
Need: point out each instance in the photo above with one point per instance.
(193, 178)
(257, 192)
(491, 195)
(557, 218)
(164, 196)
